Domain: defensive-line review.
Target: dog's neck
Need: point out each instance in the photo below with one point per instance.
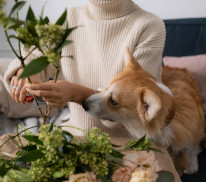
(109, 9)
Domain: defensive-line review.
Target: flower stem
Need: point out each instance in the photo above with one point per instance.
(14, 136)
(4, 154)
(10, 44)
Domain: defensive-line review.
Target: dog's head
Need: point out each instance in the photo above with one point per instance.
(133, 98)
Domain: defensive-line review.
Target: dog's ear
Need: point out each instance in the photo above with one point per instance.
(149, 104)
(131, 62)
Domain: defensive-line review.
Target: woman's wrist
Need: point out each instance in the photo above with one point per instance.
(81, 93)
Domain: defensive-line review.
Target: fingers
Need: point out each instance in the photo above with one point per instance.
(17, 90)
(23, 94)
(41, 86)
(40, 93)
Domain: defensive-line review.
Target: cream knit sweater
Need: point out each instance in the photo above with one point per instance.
(106, 27)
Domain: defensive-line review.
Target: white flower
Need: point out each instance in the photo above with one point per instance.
(144, 176)
(82, 177)
(122, 174)
(141, 160)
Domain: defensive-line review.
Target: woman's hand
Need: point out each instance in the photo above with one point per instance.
(59, 93)
(17, 88)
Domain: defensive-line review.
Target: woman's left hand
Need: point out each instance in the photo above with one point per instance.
(59, 93)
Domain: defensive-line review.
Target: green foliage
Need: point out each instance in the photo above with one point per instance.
(36, 34)
(53, 155)
(62, 18)
(165, 176)
(16, 8)
(34, 67)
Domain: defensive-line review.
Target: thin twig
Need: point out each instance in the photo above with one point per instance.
(18, 138)
(4, 154)
(29, 53)
(10, 44)
(14, 136)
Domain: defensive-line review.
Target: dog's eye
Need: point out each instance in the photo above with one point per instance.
(112, 101)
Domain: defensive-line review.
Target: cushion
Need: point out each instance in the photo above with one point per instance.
(194, 64)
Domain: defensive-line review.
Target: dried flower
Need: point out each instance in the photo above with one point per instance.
(26, 37)
(53, 57)
(100, 141)
(122, 174)
(50, 35)
(51, 140)
(141, 160)
(144, 176)
(83, 177)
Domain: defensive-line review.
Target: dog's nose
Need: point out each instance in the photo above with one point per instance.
(85, 106)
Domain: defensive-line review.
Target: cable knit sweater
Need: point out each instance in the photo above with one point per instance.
(106, 27)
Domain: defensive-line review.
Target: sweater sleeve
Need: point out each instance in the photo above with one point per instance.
(15, 65)
(149, 48)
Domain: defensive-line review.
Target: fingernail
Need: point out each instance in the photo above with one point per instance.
(27, 89)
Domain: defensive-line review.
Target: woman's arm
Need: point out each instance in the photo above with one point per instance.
(58, 94)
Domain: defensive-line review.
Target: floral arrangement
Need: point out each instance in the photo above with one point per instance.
(54, 154)
(57, 155)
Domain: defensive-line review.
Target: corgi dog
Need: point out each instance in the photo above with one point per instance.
(169, 113)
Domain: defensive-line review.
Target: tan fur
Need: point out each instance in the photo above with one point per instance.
(172, 118)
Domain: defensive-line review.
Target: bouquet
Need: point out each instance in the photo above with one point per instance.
(54, 154)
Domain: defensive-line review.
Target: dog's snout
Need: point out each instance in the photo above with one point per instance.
(85, 105)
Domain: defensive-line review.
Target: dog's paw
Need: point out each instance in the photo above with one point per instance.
(110, 124)
(192, 168)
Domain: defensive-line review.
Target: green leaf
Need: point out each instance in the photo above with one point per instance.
(156, 150)
(67, 136)
(26, 131)
(33, 138)
(30, 15)
(15, 37)
(58, 174)
(46, 20)
(51, 128)
(68, 32)
(31, 21)
(34, 67)
(117, 153)
(110, 157)
(65, 43)
(62, 18)
(165, 176)
(30, 156)
(29, 147)
(17, 7)
(13, 24)
(134, 143)
(3, 167)
(30, 25)
(114, 145)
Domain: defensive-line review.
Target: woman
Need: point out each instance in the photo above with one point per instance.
(107, 27)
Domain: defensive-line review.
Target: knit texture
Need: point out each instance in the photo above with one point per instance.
(106, 27)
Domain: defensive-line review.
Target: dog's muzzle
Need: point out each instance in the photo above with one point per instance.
(85, 106)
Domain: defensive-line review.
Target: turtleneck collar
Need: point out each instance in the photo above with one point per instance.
(109, 9)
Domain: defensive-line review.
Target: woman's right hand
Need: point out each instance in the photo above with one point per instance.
(19, 94)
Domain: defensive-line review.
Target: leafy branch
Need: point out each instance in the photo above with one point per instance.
(37, 34)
